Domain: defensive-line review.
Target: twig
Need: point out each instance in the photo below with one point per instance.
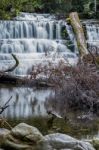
(93, 58)
(5, 105)
(3, 121)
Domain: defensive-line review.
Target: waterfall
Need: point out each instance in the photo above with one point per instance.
(29, 36)
(92, 34)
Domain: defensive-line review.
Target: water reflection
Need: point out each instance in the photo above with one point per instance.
(25, 102)
(29, 106)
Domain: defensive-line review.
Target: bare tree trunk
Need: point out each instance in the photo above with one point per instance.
(78, 29)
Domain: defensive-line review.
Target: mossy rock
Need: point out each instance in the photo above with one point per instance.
(95, 143)
(68, 20)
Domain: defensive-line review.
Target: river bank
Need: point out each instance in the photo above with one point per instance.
(27, 137)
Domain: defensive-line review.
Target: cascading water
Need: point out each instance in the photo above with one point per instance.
(29, 37)
(92, 34)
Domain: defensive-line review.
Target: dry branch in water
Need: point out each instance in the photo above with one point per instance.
(13, 67)
(2, 109)
(6, 105)
(78, 91)
(76, 88)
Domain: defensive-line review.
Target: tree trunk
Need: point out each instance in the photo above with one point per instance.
(8, 79)
(78, 29)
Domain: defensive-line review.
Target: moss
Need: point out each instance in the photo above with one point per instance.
(68, 20)
(95, 143)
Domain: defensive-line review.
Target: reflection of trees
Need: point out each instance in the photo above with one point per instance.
(95, 3)
(33, 104)
(25, 102)
(54, 105)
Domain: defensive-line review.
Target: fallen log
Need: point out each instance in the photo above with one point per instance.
(78, 29)
(8, 79)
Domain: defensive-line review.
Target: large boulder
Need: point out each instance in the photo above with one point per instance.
(26, 132)
(64, 142)
(23, 136)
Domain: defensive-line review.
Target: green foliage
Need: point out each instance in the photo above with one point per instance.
(11, 8)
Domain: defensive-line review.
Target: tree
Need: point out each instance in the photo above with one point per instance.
(95, 3)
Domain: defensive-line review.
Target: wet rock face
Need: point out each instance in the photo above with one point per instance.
(25, 137)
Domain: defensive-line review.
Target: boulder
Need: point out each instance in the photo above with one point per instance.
(3, 134)
(95, 143)
(64, 142)
(26, 132)
(23, 137)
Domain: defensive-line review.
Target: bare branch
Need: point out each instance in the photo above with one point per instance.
(5, 106)
(13, 67)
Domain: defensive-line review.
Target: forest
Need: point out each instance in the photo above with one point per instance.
(10, 8)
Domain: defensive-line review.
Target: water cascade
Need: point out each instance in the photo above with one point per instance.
(92, 34)
(30, 37)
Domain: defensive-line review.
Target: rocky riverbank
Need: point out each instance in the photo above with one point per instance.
(26, 137)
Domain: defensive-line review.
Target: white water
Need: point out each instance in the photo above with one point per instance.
(30, 36)
(92, 30)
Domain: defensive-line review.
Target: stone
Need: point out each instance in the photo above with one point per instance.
(61, 141)
(95, 143)
(23, 137)
(3, 134)
(26, 132)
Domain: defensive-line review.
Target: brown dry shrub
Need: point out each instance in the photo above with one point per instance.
(75, 88)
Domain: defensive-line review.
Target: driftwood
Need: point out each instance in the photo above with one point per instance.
(13, 67)
(78, 29)
(6, 78)
(6, 105)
